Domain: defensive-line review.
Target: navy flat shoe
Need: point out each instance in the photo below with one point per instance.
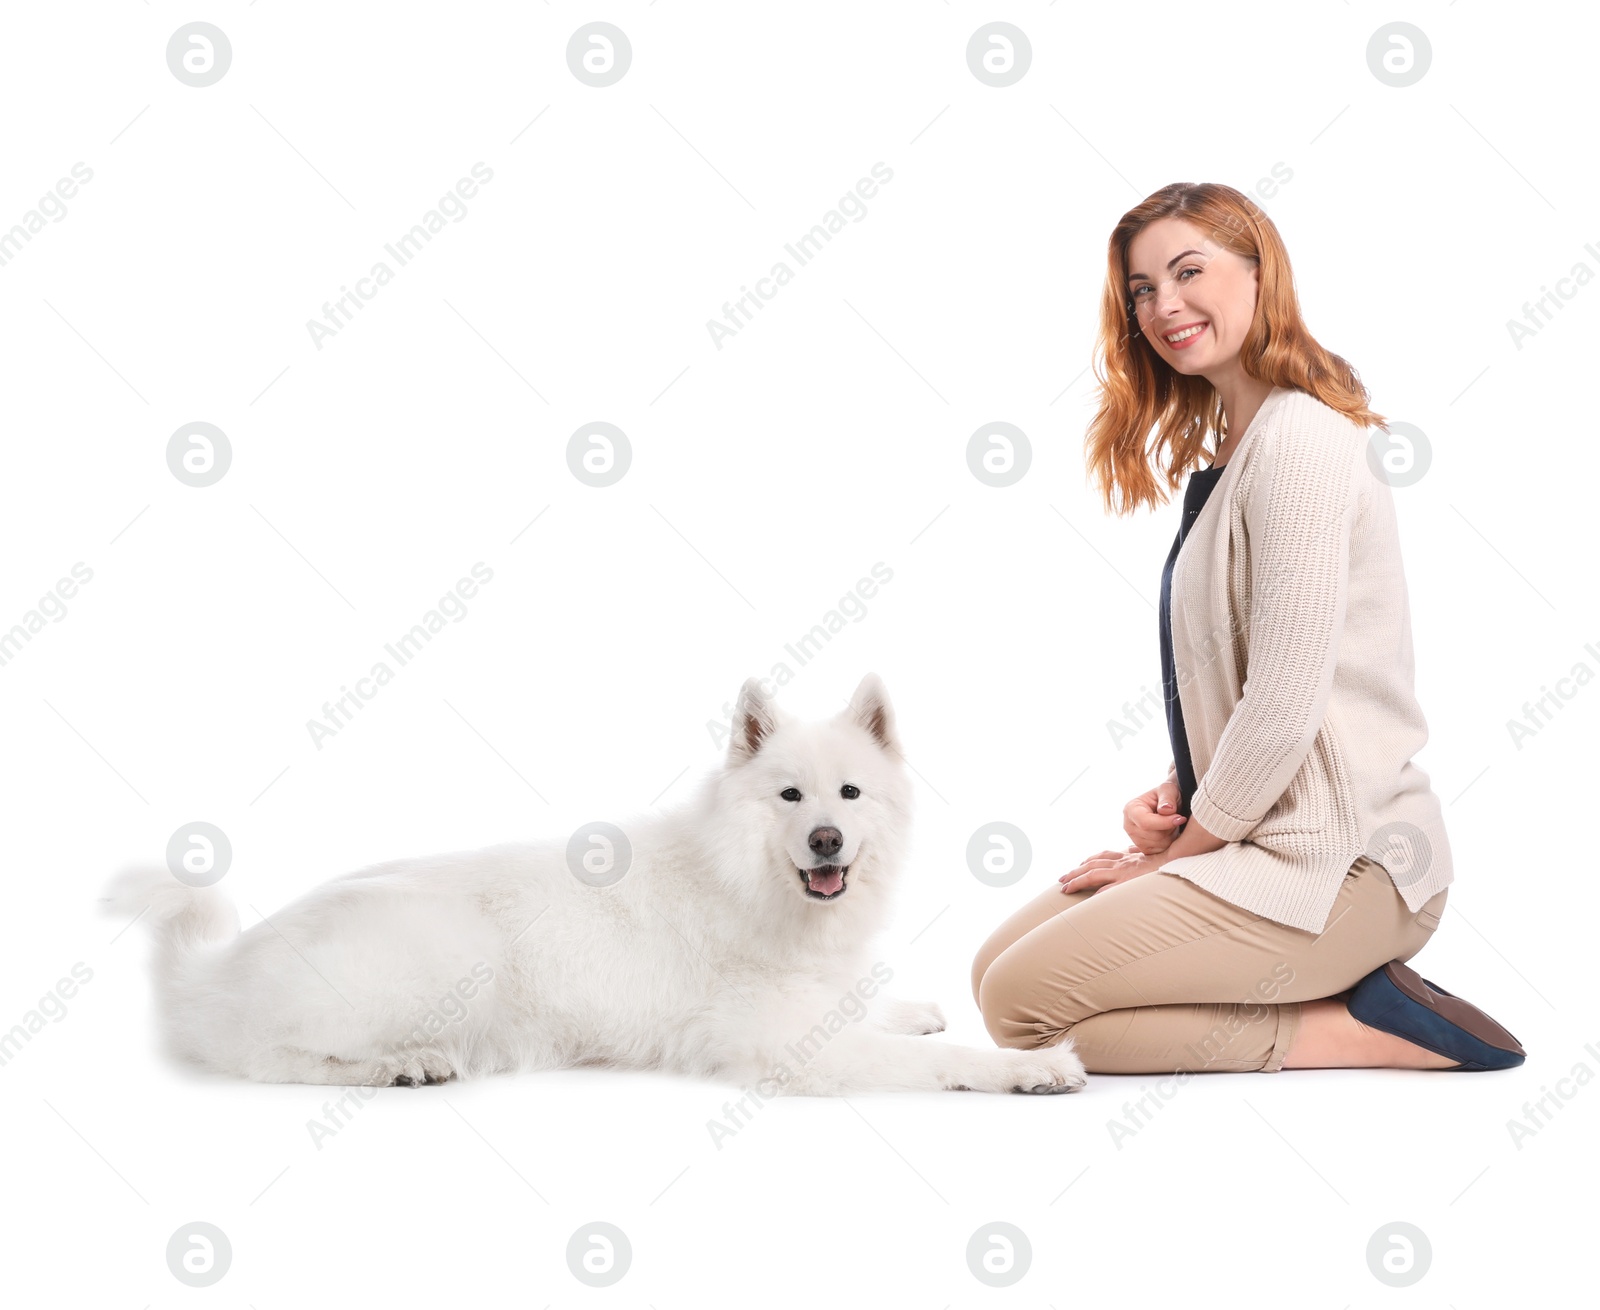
(1398, 1000)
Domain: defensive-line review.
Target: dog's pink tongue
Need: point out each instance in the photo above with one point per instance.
(825, 884)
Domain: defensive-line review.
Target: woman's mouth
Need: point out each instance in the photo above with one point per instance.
(1185, 337)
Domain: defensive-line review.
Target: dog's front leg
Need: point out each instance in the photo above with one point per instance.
(891, 1014)
(862, 1058)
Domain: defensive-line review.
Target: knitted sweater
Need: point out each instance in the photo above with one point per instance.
(1292, 645)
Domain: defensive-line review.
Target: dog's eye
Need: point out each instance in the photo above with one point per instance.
(790, 793)
(849, 791)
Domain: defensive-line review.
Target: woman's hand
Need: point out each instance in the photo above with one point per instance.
(1109, 867)
(1152, 821)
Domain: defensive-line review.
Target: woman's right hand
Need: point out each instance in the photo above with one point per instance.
(1152, 821)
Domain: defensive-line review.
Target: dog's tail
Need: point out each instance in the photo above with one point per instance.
(187, 922)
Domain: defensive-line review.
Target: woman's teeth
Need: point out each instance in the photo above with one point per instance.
(1176, 337)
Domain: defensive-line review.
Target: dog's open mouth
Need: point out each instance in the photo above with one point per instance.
(826, 882)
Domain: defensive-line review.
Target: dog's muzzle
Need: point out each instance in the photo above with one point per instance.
(826, 881)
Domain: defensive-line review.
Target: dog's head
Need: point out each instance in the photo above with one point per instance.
(831, 797)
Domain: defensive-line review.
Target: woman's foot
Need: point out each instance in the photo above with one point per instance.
(1399, 1001)
(1330, 1037)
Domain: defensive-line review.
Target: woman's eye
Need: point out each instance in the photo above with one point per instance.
(849, 791)
(790, 793)
(1139, 291)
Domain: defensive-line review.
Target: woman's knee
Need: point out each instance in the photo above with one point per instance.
(987, 954)
(1024, 920)
(1007, 1016)
(980, 966)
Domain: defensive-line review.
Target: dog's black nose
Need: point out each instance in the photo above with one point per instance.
(826, 842)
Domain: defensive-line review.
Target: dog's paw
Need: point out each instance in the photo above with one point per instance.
(420, 1071)
(1048, 1072)
(910, 1018)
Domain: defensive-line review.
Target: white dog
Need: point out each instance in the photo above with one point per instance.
(727, 939)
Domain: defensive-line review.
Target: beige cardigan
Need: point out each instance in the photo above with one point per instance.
(1291, 642)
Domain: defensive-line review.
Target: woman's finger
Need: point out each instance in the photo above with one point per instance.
(1093, 862)
(1084, 872)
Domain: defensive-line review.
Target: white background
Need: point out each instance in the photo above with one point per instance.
(767, 478)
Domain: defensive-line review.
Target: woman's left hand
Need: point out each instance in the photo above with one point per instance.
(1110, 867)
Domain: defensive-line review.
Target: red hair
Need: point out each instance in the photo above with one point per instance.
(1139, 390)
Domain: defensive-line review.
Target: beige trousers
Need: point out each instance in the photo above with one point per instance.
(1158, 975)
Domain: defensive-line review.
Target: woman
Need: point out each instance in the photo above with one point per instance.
(1300, 856)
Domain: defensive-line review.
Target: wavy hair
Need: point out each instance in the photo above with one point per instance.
(1140, 391)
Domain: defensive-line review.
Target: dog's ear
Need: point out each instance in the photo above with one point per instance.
(870, 708)
(755, 718)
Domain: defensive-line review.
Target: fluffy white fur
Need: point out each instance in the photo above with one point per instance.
(709, 957)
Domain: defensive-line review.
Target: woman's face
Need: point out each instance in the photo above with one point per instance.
(1183, 283)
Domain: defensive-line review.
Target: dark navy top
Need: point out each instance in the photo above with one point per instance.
(1195, 494)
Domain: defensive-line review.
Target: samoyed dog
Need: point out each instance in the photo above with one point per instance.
(728, 939)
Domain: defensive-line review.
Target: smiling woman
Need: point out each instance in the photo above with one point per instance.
(1301, 844)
